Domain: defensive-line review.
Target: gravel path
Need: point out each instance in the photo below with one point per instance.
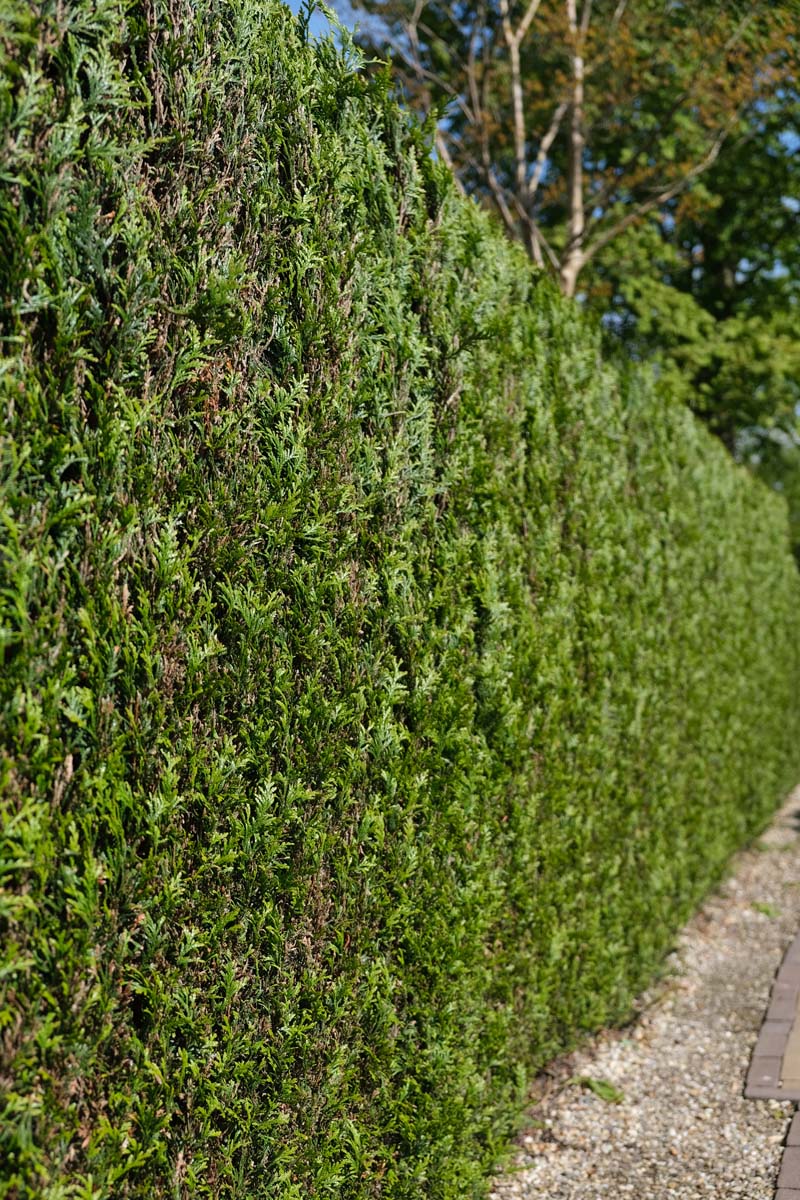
(683, 1130)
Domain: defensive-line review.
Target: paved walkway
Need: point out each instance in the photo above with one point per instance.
(674, 1123)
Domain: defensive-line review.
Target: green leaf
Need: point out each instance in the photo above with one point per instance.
(601, 1087)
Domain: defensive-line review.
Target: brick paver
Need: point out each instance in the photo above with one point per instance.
(789, 1175)
(793, 1136)
(774, 1072)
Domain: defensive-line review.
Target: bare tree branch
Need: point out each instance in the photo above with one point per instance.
(478, 101)
(544, 148)
(527, 20)
(413, 61)
(599, 199)
(517, 101)
(479, 107)
(669, 193)
(444, 154)
(536, 240)
(500, 200)
(619, 13)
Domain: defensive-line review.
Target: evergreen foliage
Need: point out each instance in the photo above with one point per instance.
(384, 678)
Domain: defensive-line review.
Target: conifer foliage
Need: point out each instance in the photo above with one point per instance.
(383, 678)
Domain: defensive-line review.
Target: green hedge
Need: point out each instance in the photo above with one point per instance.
(384, 678)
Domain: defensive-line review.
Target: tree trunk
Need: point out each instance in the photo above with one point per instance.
(573, 256)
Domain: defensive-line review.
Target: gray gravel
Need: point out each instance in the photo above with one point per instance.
(683, 1129)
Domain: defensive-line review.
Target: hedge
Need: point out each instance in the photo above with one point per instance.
(384, 678)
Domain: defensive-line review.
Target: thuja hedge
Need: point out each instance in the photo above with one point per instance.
(384, 678)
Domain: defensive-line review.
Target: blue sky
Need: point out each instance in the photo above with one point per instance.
(318, 22)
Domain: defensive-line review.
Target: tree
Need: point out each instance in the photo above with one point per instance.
(708, 287)
(578, 119)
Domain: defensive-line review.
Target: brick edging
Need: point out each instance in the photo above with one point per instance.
(764, 1075)
(789, 1175)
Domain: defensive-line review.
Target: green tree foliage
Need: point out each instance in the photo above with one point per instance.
(575, 119)
(709, 293)
(647, 153)
(383, 679)
(709, 290)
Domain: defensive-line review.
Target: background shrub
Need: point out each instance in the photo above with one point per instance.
(384, 678)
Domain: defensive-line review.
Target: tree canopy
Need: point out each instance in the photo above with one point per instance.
(708, 288)
(575, 120)
(646, 153)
